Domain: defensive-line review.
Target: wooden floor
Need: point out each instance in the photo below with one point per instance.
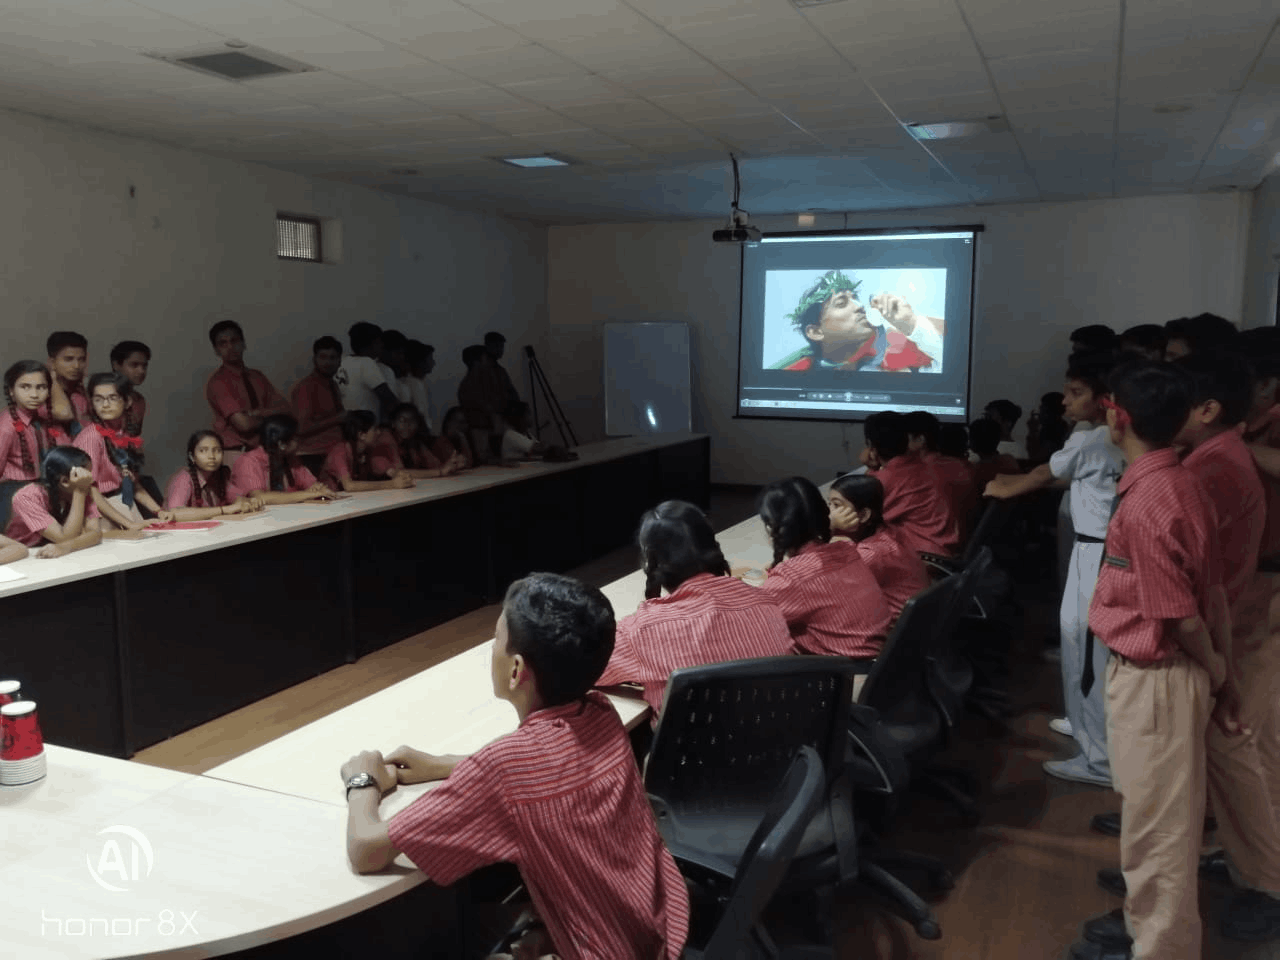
(1024, 875)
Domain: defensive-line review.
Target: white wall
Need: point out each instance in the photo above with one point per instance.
(1044, 269)
(1263, 268)
(197, 244)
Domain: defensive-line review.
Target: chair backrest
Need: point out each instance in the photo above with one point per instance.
(897, 677)
(996, 515)
(728, 732)
(7, 489)
(772, 847)
(940, 641)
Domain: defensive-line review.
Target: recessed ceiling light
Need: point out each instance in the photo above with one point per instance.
(1171, 108)
(955, 129)
(533, 162)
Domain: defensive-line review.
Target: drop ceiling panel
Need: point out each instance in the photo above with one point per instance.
(913, 51)
(418, 79)
(536, 120)
(316, 86)
(745, 131)
(929, 83)
(472, 98)
(569, 90)
(951, 106)
(396, 20)
(1165, 71)
(623, 114)
(460, 35)
(725, 103)
(683, 14)
(229, 17)
(1071, 29)
(1153, 19)
(523, 62)
(389, 108)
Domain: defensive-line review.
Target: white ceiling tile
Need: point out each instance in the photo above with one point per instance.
(957, 106)
(621, 114)
(523, 62)
(472, 98)
(764, 73)
(443, 128)
(1153, 19)
(232, 17)
(420, 78)
(343, 51)
(683, 14)
(908, 86)
(388, 108)
(526, 121)
(315, 86)
(1164, 71)
(912, 51)
(1070, 29)
(855, 139)
(659, 82)
(564, 21)
(396, 20)
(571, 143)
(874, 21)
(566, 91)
(643, 47)
(747, 130)
(135, 27)
(471, 35)
(722, 103)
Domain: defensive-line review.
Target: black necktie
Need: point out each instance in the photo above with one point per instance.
(248, 388)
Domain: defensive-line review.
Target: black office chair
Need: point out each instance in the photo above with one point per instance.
(739, 933)
(7, 489)
(727, 734)
(950, 674)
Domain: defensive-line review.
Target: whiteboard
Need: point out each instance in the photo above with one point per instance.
(647, 379)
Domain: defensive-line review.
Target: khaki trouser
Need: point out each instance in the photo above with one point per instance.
(1264, 688)
(1157, 715)
(1240, 788)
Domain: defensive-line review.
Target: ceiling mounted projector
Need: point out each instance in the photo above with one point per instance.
(738, 230)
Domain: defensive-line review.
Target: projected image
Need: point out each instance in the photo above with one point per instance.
(873, 320)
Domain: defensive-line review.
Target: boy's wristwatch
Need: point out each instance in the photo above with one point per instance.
(359, 781)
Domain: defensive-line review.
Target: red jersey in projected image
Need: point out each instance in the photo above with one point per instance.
(889, 350)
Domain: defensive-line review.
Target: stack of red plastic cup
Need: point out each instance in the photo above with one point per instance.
(10, 690)
(22, 758)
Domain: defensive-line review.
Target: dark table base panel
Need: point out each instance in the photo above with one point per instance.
(123, 661)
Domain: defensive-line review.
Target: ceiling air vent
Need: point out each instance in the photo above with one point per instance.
(243, 63)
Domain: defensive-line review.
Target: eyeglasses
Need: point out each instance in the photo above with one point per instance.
(99, 399)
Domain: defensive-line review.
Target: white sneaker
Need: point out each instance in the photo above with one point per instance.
(1077, 771)
(1061, 725)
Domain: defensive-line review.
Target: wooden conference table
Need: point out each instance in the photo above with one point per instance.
(131, 642)
(250, 856)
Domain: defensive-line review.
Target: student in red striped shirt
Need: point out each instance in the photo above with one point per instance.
(132, 358)
(26, 431)
(829, 597)
(1160, 607)
(68, 361)
(354, 465)
(271, 473)
(203, 490)
(856, 505)
(917, 501)
(561, 797)
(706, 615)
(57, 510)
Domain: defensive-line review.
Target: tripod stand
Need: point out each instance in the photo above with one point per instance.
(538, 383)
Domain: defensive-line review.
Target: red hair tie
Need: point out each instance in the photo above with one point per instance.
(1122, 415)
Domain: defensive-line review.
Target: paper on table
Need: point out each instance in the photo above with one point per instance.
(8, 574)
(185, 525)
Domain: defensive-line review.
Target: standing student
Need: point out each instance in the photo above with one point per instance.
(272, 472)
(560, 797)
(132, 358)
(495, 345)
(694, 612)
(317, 403)
(1007, 414)
(414, 449)
(830, 599)
(58, 509)
(1091, 465)
(1095, 336)
(354, 464)
(25, 433)
(394, 365)
(484, 398)
(1047, 431)
(856, 505)
(421, 358)
(115, 455)
(989, 462)
(68, 361)
(1236, 770)
(1159, 607)
(239, 397)
(1147, 340)
(203, 490)
(1205, 331)
(917, 502)
(360, 377)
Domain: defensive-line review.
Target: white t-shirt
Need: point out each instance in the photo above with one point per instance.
(1013, 448)
(516, 445)
(1093, 464)
(418, 396)
(399, 389)
(357, 378)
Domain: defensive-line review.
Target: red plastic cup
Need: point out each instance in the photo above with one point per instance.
(10, 691)
(22, 739)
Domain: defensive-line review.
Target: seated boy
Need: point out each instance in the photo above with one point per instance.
(918, 504)
(561, 797)
(68, 361)
(1091, 464)
(1159, 606)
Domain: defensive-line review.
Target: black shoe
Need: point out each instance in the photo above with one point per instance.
(1108, 931)
(1108, 824)
(1111, 879)
(1252, 917)
(1084, 950)
(1213, 866)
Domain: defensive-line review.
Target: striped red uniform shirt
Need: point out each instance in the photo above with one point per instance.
(106, 475)
(1161, 559)
(898, 569)
(561, 798)
(179, 492)
(831, 601)
(13, 435)
(708, 619)
(1227, 470)
(30, 515)
(919, 503)
(252, 471)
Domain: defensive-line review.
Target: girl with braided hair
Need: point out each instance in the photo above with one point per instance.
(705, 616)
(355, 465)
(829, 596)
(26, 432)
(203, 490)
(416, 449)
(272, 472)
(58, 510)
(840, 336)
(116, 457)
